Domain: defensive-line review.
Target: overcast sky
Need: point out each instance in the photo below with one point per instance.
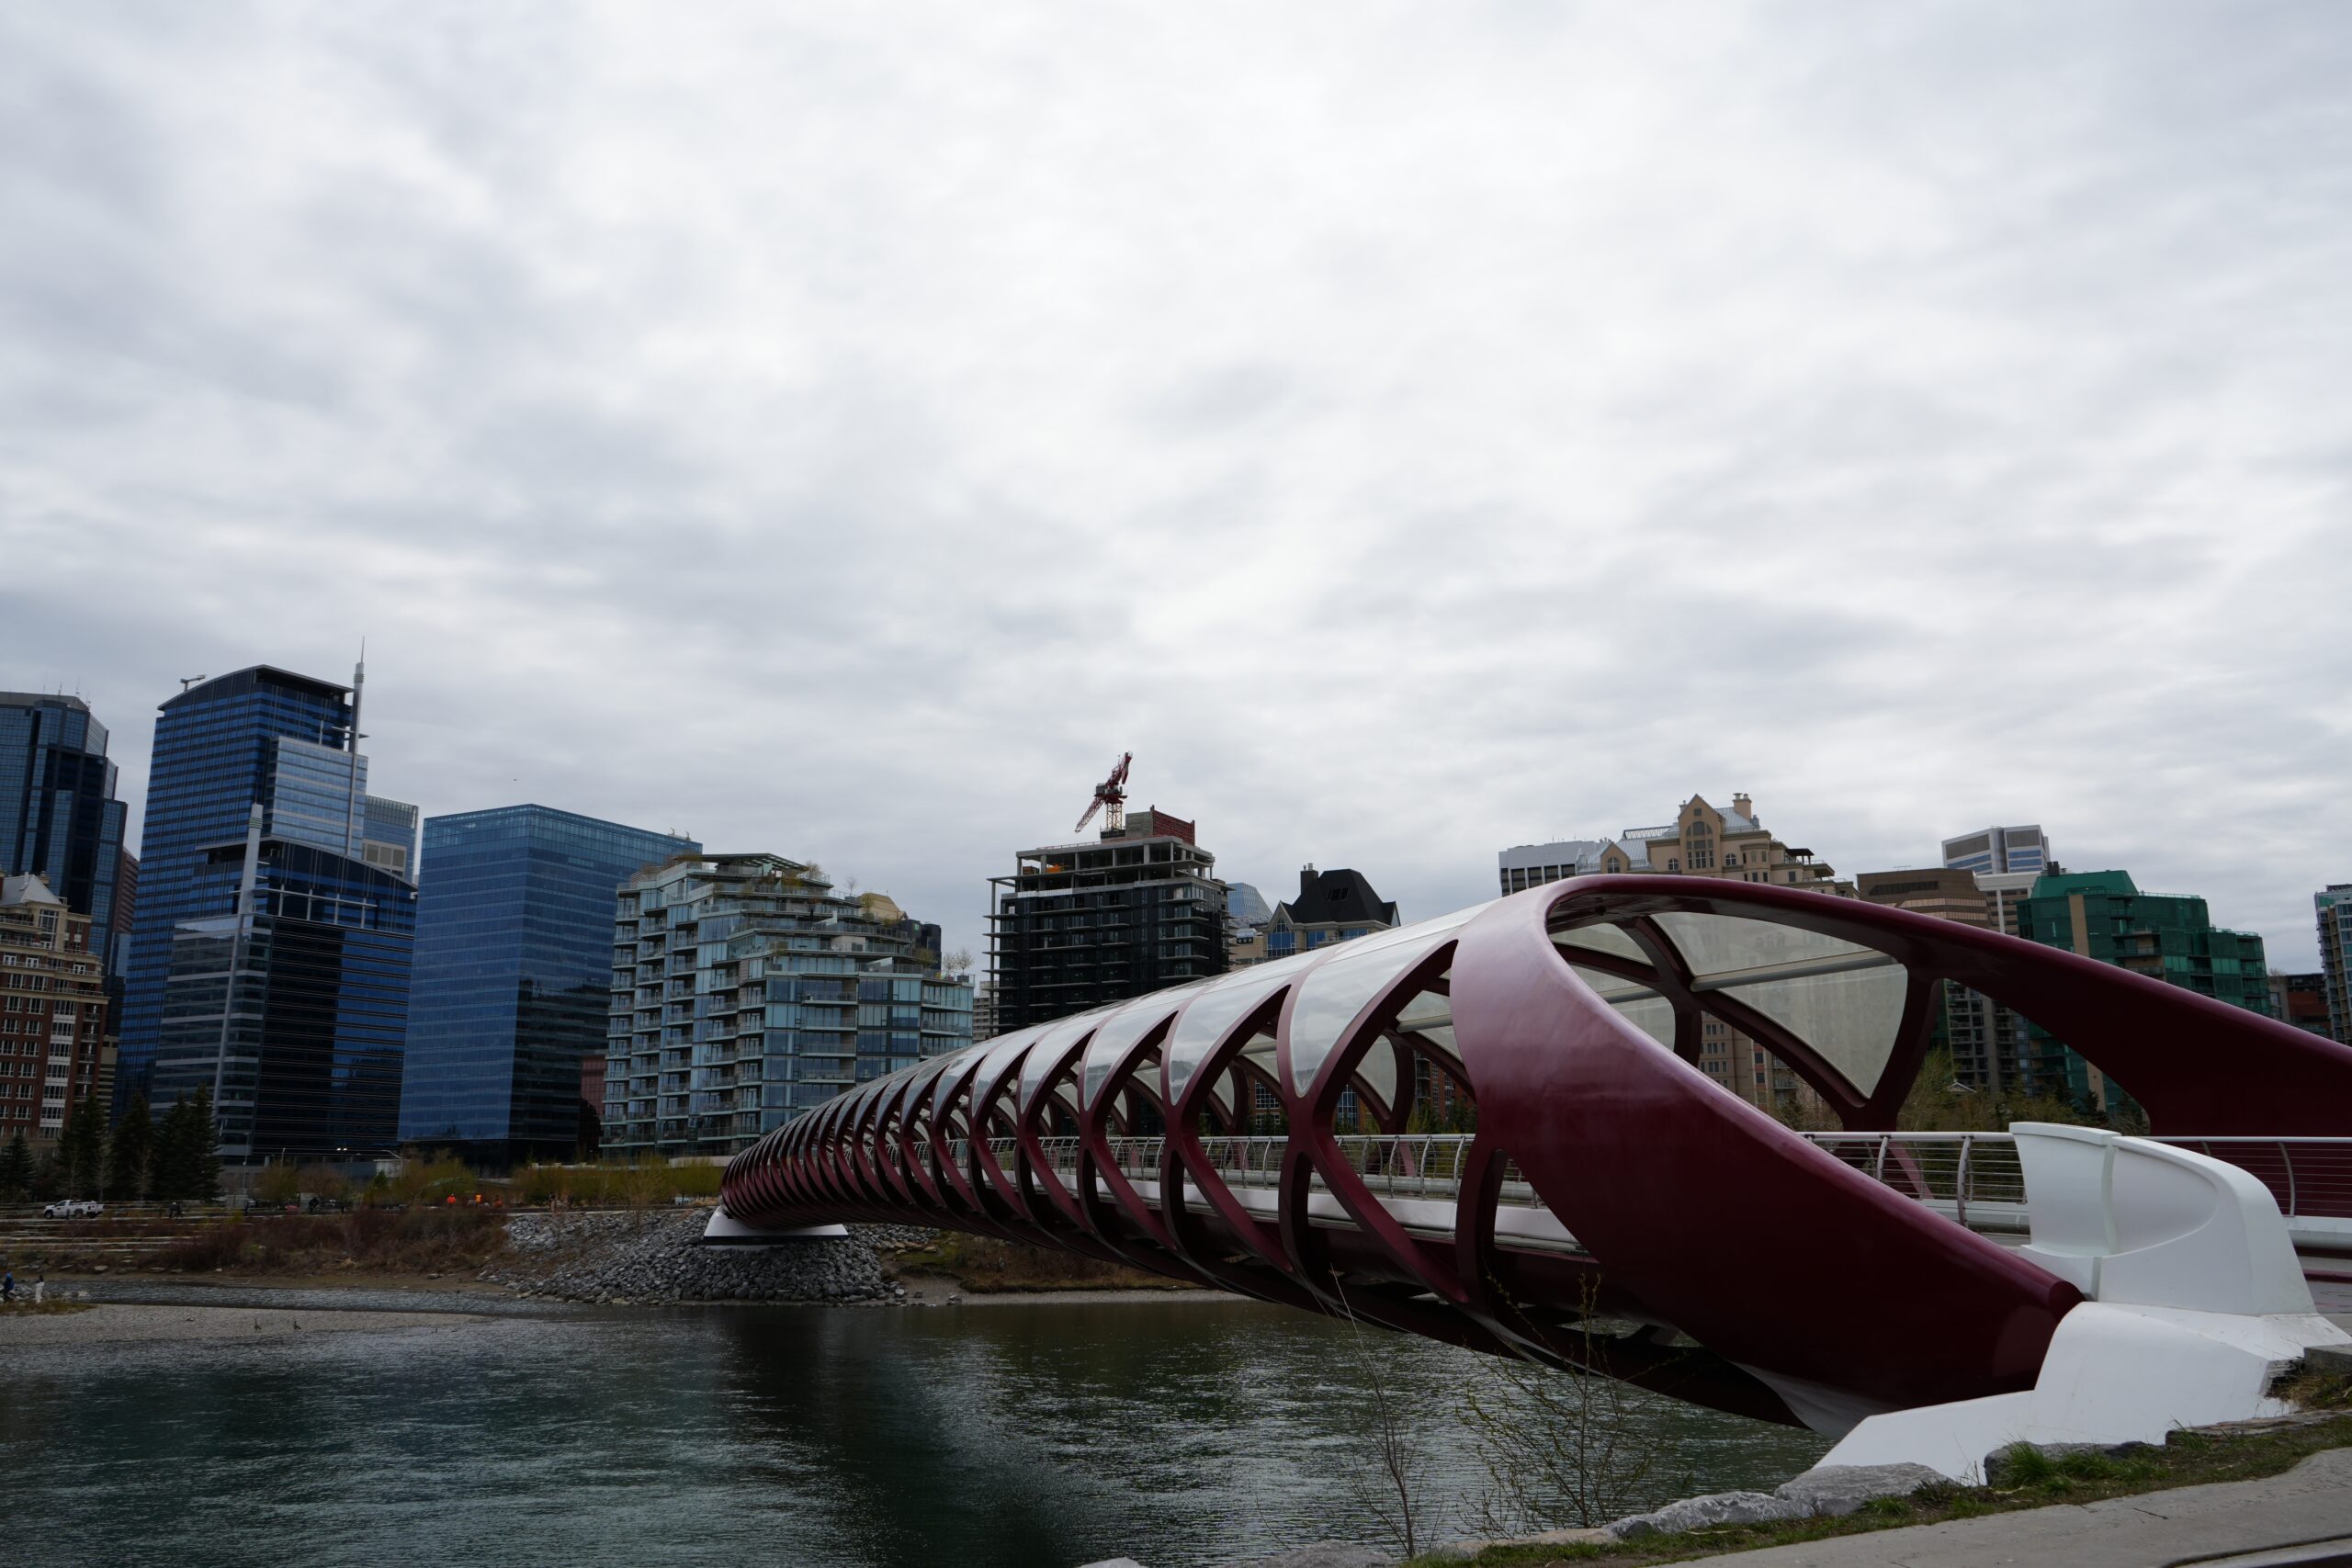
(843, 430)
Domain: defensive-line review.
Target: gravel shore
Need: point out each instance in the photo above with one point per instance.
(121, 1323)
(233, 1291)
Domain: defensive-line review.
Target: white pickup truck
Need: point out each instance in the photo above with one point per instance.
(73, 1208)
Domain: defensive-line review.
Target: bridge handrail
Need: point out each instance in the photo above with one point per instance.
(2311, 1178)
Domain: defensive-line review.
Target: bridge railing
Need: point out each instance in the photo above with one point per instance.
(2311, 1178)
(1956, 1172)
(1974, 1178)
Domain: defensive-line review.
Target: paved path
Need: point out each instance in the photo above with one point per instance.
(2214, 1524)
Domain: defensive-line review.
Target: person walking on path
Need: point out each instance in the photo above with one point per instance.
(8, 1286)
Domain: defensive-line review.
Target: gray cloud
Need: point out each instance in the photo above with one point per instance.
(1411, 433)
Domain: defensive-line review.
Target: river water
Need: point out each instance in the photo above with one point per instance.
(1035, 1435)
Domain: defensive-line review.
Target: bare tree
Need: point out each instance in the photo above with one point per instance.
(1559, 1447)
(1387, 1489)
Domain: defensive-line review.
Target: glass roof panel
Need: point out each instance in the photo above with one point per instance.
(1603, 938)
(1033, 1066)
(1048, 1040)
(994, 1064)
(1118, 1033)
(1851, 1017)
(1640, 1006)
(1215, 1011)
(1336, 989)
(1843, 1000)
(1723, 947)
(918, 1088)
(1378, 1071)
(1431, 1016)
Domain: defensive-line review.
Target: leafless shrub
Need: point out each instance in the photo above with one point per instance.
(1563, 1448)
(1388, 1488)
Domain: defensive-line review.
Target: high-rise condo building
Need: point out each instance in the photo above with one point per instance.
(1078, 925)
(271, 963)
(52, 1010)
(745, 991)
(2333, 906)
(59, 817)
(1997, 850)
(2168, 937)
(512, 980)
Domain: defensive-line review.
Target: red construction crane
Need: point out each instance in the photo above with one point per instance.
(1112, 792)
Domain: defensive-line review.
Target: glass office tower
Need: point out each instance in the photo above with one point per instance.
(59, 819)
(292, 1014)
(271, 963)
(513, 978)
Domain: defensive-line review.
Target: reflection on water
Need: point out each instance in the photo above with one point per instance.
(1031, 1436)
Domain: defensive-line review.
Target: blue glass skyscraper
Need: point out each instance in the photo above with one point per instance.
(277, 922)
(59, 819)
(514, 976)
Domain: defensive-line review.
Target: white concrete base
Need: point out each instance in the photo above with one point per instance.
(725, 1230)
(2196, 1304)
(2115, 1374)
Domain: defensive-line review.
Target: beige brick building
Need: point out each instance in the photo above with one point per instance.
(52, 1010)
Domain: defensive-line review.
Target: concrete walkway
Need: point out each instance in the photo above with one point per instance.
(2219, 1524)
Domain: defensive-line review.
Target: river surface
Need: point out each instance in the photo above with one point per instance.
(1035, 1435)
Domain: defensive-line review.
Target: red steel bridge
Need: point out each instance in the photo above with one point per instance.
(1814, 1278)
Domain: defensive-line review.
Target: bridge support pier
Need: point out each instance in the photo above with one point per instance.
(726, 1230)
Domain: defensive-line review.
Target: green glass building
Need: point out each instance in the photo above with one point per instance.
(2168, 937)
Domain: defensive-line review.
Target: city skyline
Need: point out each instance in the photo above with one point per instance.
(2292, 947)
(1552, 415)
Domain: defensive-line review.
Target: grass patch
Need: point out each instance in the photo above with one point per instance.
(25, 1307)
(2310, 1389)
(2035, 1480)
(986, 1263)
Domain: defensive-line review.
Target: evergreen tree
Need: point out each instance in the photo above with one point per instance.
(47, 1180)
(171, 1173)
(15, 1167)
(206, 1164)
(69, 1147)
(81, 1147)
(128, 1156)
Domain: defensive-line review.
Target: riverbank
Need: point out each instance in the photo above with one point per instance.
(600, 1256)
(343, 1293)
(116, 1323)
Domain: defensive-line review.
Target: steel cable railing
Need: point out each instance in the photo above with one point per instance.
(1973, 1178)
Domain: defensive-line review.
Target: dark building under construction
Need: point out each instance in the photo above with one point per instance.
(1078, 925)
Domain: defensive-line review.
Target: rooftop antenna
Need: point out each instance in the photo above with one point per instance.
(187, 681)
(351, 794)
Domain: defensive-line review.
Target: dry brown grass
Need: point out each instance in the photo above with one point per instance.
(985, 1263)
(418, 1241)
